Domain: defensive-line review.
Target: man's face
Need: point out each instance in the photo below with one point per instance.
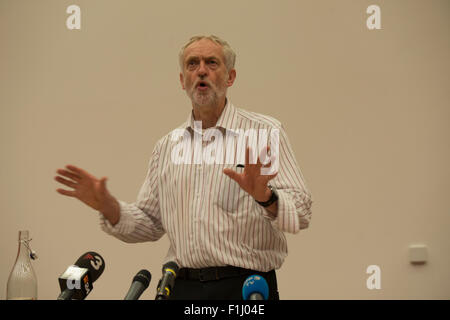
(205, 77)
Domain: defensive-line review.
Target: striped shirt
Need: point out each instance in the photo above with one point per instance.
(209, 219)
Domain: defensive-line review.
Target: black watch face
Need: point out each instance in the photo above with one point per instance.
(274, 191)
(275, 195)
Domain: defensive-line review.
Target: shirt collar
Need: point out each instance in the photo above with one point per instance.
(227, 119)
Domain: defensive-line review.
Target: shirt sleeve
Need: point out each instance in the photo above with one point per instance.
(294, 199)
(140, 221)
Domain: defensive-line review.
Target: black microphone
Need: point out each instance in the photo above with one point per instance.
(140, 282)
(167, 282)
(76, 281)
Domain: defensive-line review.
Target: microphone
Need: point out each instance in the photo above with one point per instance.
(255, 288)
(76, 281)
(167, 282)
(140, 282)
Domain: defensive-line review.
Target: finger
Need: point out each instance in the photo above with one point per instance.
(269, 154)
(69, 174)
(233, 175)
(247, 155)
(269, 173)
(250, 161)
(253, 155)
(258, 159)
(264, 156)
(272, 159)
(78, 171)
(66, 182)
(66, 192)
(103, 185)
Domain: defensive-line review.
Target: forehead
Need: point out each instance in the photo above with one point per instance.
(203, 48)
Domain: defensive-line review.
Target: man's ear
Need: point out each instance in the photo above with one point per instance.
(231, 77)
(182, 81)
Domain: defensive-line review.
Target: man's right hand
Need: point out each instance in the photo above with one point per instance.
(90, 190)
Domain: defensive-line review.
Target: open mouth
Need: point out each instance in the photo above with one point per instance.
(202, 85)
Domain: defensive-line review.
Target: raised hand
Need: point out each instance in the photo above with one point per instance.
(251, 180)
(90, 190)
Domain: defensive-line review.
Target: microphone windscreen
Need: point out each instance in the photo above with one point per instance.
(143, 277)
(93, 262)
(255, 284)
(172, 266)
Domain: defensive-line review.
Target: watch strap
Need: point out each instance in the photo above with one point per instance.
(272, 199)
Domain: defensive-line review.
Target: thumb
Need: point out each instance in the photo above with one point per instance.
(232, 174)
(103, 189)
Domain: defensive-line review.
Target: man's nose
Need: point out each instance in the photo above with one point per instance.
(202, 70)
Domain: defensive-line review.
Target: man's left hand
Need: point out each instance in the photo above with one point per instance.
(251, 180)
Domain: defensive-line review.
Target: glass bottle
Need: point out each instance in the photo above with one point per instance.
(22, 282)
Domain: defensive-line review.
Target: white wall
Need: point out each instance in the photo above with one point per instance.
(367, 113)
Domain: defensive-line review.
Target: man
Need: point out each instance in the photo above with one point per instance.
(223, 210)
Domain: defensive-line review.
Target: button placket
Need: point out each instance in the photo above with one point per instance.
(198, 208)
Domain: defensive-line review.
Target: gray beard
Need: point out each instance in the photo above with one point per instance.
(205, 99)
(211, 98)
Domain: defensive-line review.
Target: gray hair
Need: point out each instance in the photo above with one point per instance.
(228, 53)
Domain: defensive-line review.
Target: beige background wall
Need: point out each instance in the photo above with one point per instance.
(367, 113)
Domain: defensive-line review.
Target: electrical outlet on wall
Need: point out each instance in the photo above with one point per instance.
(418, 254)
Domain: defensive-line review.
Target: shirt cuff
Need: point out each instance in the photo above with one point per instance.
(125, 224)
(286, 218)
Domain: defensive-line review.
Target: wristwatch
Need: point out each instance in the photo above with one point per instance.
(272, 199)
